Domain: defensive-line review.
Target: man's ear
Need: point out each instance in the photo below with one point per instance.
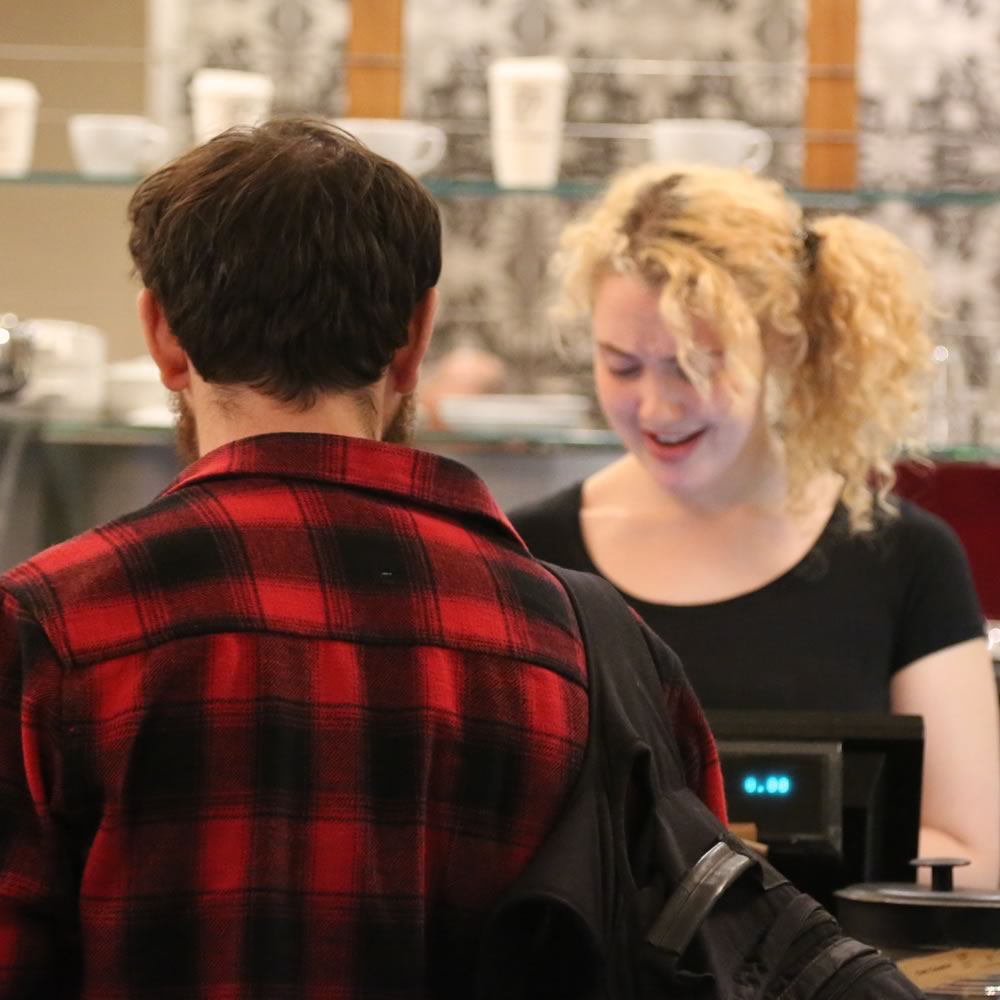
(404, 369)
(165, 349)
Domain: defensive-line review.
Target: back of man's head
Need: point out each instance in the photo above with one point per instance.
(287, 257)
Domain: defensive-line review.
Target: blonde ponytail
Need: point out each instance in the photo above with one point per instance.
(851, 402)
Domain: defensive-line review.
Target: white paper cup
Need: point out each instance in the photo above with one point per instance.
(222, 98)
(416, 146)
(114, 145)
(18, 118)
(717, 141)
(527, 114)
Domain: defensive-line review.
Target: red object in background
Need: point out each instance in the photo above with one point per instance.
(967, 496)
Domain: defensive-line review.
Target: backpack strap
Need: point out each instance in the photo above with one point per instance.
(609, 627)
(622, 678)
(574, 923)
(692, 900)
(627, 695)
(555, 932)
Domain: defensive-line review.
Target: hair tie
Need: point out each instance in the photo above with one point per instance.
(810, 241)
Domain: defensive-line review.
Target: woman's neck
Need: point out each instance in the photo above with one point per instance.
(637, 535)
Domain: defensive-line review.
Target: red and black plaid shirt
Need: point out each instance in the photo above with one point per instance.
(286, 732)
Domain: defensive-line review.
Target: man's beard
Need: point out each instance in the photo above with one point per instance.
(400, 428)
(186, 429)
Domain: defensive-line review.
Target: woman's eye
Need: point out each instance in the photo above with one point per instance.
(629, 372)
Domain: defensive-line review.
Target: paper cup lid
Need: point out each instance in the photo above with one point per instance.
(231, 80)
(531, 67)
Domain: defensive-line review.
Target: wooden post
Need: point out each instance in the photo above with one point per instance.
(375, 54)
(832, 95)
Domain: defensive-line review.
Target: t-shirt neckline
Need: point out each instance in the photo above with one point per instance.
(835, 519)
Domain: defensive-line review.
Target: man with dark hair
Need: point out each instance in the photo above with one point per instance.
(291, 729)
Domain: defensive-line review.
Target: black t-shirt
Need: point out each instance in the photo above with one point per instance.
(828, 634)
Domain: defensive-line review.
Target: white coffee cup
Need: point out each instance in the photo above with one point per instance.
(527, 114)
(222, 98)
(67, 365)
(18, 118)
(115, 145)
(415, 146)
(721, 142)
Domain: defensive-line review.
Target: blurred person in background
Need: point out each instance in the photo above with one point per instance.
(762, 372)
(462, 371)
(292, 728)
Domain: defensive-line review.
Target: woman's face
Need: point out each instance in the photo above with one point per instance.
(692, 444)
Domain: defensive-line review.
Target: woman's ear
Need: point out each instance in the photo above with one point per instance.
(164, 348)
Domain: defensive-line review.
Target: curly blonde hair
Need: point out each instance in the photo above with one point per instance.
(840, 307)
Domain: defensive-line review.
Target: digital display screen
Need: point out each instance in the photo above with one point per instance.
(770, 784)
(789, 795)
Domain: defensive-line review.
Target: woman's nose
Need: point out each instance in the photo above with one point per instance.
(661, 404)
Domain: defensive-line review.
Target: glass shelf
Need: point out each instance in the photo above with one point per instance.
(66, 178)
(560, 437)
(78, 430)
(445, 187)
(442, 187)
(103, 432)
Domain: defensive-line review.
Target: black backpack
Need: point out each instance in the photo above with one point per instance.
(639, 891)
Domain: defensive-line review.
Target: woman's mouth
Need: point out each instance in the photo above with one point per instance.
(673, 447)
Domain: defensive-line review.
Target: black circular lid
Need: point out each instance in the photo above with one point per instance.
(903, 894)
(906, 916)
(941, 893)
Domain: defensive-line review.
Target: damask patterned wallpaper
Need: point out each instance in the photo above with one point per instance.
(930, 118)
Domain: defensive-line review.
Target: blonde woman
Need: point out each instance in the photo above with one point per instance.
(761, 372)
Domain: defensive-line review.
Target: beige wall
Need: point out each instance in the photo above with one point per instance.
(62, 247)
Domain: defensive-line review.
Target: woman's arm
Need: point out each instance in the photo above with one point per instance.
(955, 691)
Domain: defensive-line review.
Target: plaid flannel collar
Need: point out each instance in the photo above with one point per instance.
(398, 470)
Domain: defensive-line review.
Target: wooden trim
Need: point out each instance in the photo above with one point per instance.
(375, 63)
(832, 94)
